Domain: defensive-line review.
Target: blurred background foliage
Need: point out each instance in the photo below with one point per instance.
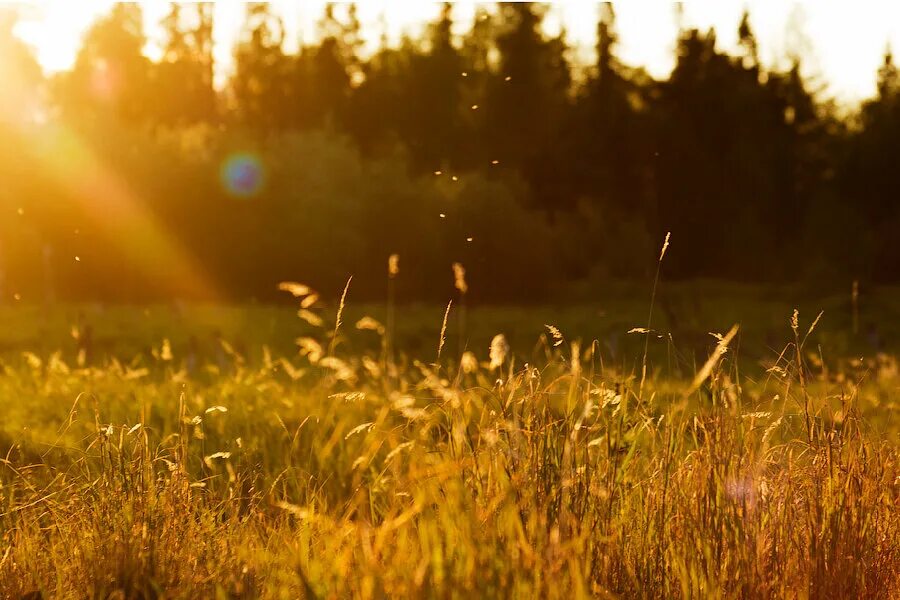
(495, 148)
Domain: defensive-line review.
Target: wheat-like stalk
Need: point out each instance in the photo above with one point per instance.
(443, 337)
(340, 313)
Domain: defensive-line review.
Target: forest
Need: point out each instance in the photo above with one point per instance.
(497, 149)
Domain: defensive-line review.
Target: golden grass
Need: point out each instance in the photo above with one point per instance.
(346, 475)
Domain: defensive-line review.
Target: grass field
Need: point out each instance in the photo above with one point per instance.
(189, 451)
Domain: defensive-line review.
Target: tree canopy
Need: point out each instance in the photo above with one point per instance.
(492, 146)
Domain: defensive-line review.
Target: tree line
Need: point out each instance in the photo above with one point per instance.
(493, 148)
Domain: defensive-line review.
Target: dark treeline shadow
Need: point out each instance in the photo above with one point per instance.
(131, 179)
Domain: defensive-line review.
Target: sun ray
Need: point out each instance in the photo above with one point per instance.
(114, 210)
(120, 215)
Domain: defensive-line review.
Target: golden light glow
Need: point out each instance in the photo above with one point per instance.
(54, 30)
(114, 211)
(121, 217)
(647, 31)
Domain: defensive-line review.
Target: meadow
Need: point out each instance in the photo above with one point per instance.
(365, 451)
(553, 432)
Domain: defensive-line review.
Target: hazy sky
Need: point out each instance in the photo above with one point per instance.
(843, 43)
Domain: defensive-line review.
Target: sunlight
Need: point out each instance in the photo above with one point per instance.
(55, 28)
(119, 215)
(104, 197)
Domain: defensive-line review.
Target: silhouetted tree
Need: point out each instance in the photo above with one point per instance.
(607, 147)
(748, 166)
(323, 72)
(432, 103)
(526, 98)
(604, 165)
(110, 73)
(183, 80)
(869, 178)
(747, 42)
(261, 85)
(736, 156)
(373, 118)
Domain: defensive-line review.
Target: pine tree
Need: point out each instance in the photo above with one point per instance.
(868, 175)
(433, 128)
(322, 72)
(708, 173)
(183, 80)
(606, 135)
(747, 42)
(526, 98)
(260, 85)
(888, 77)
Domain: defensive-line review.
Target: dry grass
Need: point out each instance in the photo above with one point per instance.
(345, 474)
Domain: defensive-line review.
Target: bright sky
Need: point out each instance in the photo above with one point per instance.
(843, 45)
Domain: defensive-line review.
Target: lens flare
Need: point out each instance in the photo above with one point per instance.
(117, 213)
(242, 175)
